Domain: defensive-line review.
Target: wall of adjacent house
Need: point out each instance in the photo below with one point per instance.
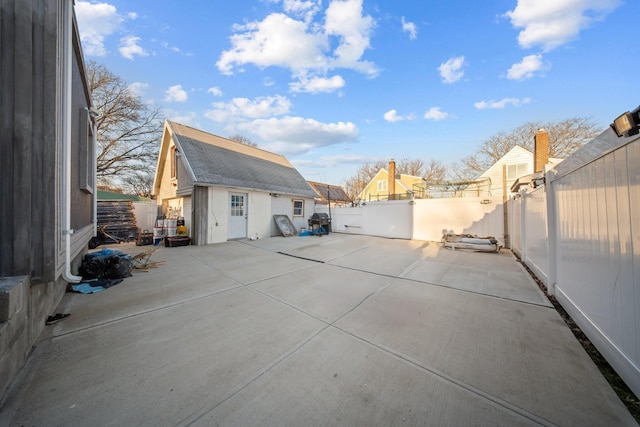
(32, 246)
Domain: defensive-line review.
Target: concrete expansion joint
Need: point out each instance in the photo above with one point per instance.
(467, 388)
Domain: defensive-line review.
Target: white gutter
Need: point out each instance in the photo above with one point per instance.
(67, 69)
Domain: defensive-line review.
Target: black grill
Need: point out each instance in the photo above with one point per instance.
(320, 223)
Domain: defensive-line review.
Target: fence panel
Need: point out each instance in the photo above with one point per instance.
(515, 224)
(597, 252)
(535, 251)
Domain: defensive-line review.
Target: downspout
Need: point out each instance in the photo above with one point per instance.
(67, 58)
(94, 143)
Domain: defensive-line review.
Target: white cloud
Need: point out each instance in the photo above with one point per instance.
(243, 108)
(278, 40)
(451, 71)
(392, 116)
(344, 19)
(175, 94)
(434, 113)
(304, 46)
(317, 84)
(498, 105)
(297, 135)
(215, 91)
(526, 68)
(129, 47)
(138, 88)
(410, 28)
(553, 23)
(171, 48)
(189, 118)
(95, 22)
(306, 9)
(336, 160)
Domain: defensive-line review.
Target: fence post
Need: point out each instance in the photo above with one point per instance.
(523, 226)
(552, 228)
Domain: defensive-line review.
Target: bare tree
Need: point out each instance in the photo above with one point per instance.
(565, 137)
(139, 183)
(243, 140)
(128, 132)
(434, 172)
(413, 167)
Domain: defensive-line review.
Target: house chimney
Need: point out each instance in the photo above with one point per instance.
(541, 150)
(392, 179)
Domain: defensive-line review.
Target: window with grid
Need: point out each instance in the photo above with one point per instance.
(298, 208)
(382, 185)
(516, 171)
(237, 205)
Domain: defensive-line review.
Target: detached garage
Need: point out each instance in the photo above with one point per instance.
(226, 190)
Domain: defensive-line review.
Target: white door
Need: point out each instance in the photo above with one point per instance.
(237, 216)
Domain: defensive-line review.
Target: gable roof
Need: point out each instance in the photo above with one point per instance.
(214, 160)
(517, 154)
(328, 192)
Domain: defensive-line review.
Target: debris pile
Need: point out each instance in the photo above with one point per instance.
(469, 241)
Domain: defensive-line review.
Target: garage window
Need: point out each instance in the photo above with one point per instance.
(298, 208)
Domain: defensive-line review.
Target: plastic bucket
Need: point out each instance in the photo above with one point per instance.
(172, 231)
(158, 232)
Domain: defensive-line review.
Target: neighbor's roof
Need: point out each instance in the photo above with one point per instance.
(112, 196)
(327, 192)
(214, 160)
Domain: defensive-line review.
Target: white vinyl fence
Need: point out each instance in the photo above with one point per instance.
(528, 230)
(580, 234)
(146, 214)
(424, 219)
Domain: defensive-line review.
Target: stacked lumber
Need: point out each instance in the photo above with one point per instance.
(117, 221)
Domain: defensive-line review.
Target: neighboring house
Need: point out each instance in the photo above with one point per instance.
(332, 195)
(380, 187)
(517, 163)
(47, 169)
(226, 190)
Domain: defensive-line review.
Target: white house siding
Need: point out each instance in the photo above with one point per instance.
(515, 156)
(218, 215)
(257, 207)
(283, 205)
(187, 213)
(259, 218)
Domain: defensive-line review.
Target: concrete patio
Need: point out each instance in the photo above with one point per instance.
(333, 330)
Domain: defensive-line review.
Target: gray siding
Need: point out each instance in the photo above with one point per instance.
(30, 148)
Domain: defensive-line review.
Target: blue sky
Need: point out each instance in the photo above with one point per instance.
(334, 84)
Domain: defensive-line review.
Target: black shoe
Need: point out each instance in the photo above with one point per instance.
(56, 318)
